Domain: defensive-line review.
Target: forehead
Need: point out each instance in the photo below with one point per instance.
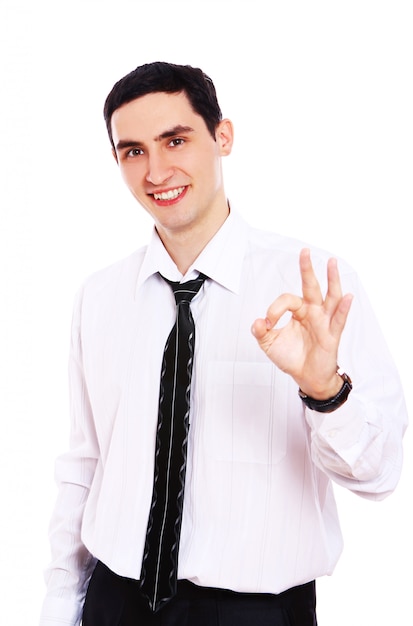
(149, 116)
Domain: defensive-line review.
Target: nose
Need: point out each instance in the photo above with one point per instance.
(159, 169)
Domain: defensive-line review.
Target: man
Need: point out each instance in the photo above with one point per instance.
(271, 418)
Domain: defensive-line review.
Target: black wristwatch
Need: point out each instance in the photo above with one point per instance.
(331, 404)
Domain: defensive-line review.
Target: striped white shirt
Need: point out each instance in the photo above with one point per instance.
(259, 512)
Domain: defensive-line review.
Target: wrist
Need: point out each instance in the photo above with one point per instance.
(332, 402)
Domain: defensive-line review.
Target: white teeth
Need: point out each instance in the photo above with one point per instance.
(169, 195)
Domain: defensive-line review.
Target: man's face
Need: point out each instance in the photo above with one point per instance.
(171, 163)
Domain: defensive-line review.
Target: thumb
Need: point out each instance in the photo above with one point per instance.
(260, 328)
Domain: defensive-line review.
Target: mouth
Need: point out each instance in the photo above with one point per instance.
(170, 196)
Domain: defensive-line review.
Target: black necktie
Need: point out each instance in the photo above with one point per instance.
(160, 558)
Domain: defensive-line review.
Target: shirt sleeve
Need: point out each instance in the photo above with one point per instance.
(359, 445)
(71, 564)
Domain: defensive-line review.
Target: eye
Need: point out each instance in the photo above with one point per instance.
(134, 152)
(176, 141)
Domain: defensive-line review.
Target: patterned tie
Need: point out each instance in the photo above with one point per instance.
(160, 558)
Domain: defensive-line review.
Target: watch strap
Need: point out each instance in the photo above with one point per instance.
(330, 404)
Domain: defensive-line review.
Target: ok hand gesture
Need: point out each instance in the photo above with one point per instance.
(307, 346)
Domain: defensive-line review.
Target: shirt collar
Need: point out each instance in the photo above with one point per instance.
(221, 260)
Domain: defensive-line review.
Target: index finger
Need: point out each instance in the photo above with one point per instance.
(284, 303)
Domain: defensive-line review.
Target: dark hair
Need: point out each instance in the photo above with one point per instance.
(168, 78)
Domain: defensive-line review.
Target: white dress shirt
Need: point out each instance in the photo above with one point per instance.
(259, 512)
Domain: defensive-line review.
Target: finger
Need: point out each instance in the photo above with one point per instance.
(284, 303)
(310, 285)
(339, 318)
(334, 291)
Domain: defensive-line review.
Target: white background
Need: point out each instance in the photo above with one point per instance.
(321, 97)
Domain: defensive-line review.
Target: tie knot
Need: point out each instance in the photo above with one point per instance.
(184, 292)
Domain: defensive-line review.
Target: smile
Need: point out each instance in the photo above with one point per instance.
(169, 195)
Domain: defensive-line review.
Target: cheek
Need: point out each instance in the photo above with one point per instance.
(131, 176)
(209, 171)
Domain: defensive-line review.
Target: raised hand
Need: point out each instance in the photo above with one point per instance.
(307, 346)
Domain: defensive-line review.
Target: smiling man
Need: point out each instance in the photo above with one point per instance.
(172, 165)
(221, 381)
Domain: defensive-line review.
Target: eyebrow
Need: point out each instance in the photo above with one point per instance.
(171, 132)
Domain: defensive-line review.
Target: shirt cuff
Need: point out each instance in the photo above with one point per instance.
(60, 612)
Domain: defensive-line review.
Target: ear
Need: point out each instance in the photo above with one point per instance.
(224, 136)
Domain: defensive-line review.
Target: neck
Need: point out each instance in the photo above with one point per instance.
(186, 245)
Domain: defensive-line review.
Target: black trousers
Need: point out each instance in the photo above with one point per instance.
(112, 600)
